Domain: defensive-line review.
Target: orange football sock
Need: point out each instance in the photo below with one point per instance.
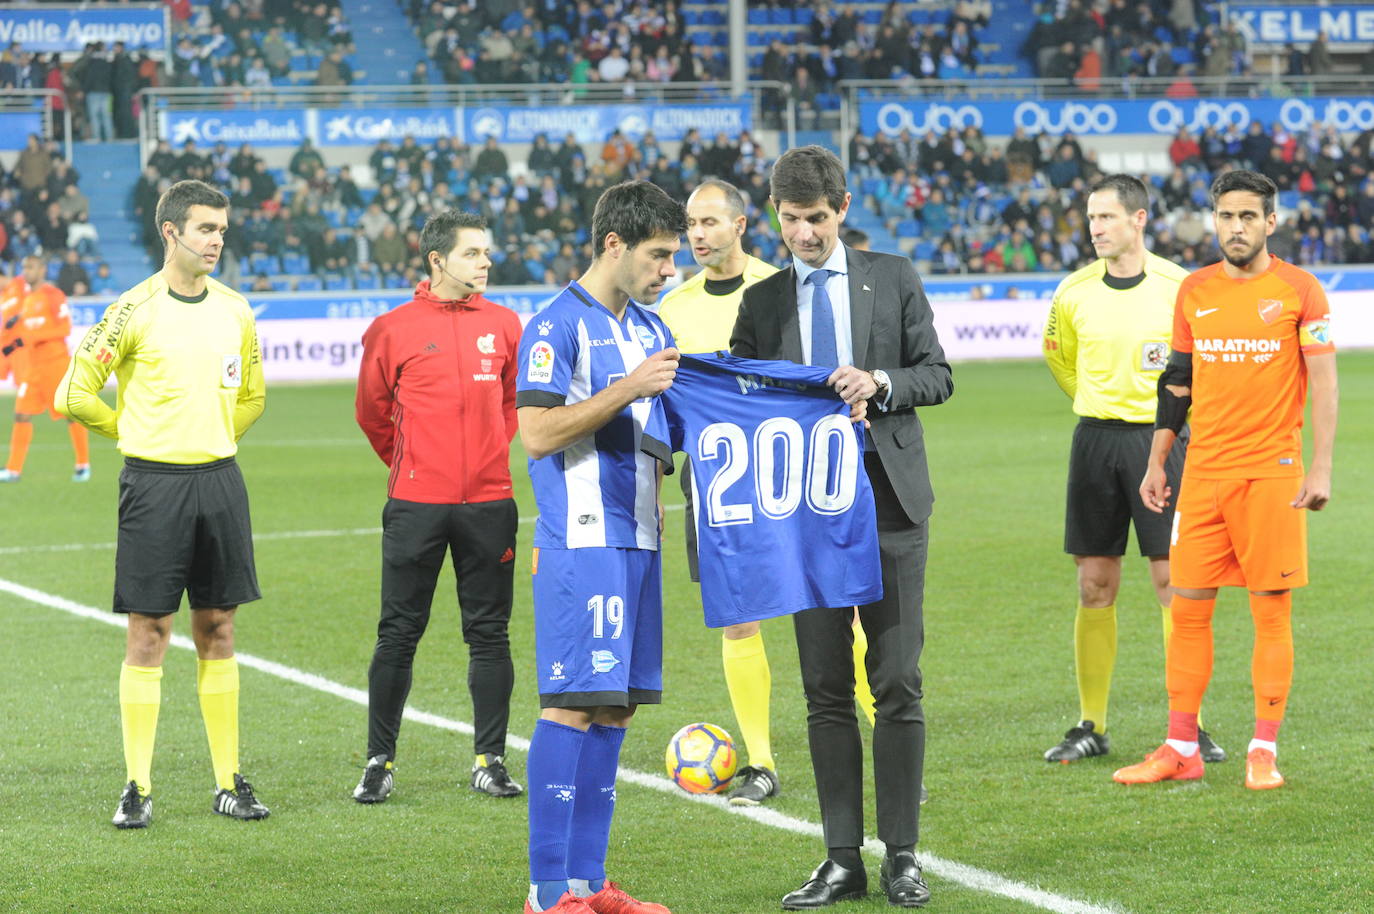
(1189, 658)
(81, 443)
(1271, 664)
(19, 446)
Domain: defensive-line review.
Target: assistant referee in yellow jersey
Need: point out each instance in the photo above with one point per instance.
(184, 350)
(1106, 342)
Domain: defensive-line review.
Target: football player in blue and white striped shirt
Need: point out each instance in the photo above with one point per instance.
(590, 368)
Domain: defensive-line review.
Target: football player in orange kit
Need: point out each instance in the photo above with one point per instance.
(1251, 335)
(34, 325)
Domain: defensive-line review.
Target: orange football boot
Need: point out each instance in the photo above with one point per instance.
(613, 900)
(1261, 770)
(1164, 764)
(567, 904)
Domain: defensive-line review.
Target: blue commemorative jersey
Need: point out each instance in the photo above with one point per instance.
(602, 490)
(784, 510)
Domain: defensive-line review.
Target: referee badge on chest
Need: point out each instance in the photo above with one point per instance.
(231, 371)
(1154, 356)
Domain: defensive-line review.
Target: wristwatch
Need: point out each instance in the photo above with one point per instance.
(884, 384)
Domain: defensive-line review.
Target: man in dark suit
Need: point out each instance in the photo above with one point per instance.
(866, 314)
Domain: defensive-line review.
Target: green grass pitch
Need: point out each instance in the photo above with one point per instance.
(999, 690)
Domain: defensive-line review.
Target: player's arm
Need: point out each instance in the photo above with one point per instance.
(253, 388)
(546, 430)
(924, 377)
(1173, 399)
(1322, 390)
(1060, 347)
(375, 401)
(99, 353)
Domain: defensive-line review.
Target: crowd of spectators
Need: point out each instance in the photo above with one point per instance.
(1083, 42)
(316, 222)
(43, 211)
(976, 206)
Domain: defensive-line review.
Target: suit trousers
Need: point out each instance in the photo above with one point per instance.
(895, 633)
(415, 539)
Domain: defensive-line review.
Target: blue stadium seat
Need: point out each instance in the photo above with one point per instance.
(334, 282)
(782, 16)
(907, 228)
(309, 284)
(280, 283)
(264, 263)
(54, 266)
(803, 15)
(758, 16)
(333, 218)
(295, 263)
(367, 281)
(870, 186)
(397, 281)
(925, 250)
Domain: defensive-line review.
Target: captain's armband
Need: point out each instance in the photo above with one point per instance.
(1171, 410)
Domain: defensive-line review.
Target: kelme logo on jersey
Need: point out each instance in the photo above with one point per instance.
(545, 327)
(604, 661)
(541, 363)
(556, 671)
(1269, 309)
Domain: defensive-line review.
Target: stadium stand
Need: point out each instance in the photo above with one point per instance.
(957, 202)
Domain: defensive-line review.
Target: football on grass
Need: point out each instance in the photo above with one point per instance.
(701, 758)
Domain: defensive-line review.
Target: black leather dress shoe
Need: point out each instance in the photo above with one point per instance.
(900, 877)
(828, 884)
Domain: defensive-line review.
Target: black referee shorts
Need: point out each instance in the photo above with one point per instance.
(1106, 464)
(689, 527)
(183, 529)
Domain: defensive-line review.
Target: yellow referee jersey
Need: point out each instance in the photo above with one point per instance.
(700, 321)
(1106, 347)
(189, 373)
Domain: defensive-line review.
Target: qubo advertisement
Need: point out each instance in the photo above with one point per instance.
(593, 123)
(1300, 23)
(68, 29)
(891, 116)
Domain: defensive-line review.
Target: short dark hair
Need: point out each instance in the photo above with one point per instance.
(441, 231)
(1130, 191)
(1249, 181)
(175, 204)
(636, 211)
(806, 174)
(854, 237)
(734, 200)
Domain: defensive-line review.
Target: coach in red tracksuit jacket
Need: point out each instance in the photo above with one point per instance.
(436, 398)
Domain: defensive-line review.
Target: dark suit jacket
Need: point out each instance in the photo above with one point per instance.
(893, 329)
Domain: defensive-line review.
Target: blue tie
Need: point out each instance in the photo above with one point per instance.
(823, 350)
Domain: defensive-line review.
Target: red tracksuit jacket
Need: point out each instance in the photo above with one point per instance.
(436, 397)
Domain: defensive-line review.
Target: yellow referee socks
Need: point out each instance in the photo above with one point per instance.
(1094, 648)
(749, 681)
(862, 693)
(217, 681)
(140, 697)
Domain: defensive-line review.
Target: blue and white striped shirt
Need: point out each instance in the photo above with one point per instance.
(603, 489)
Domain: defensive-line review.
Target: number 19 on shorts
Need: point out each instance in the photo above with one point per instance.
(607, 612)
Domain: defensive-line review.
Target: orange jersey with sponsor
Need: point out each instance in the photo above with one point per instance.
(1248, 338)
(39, 316)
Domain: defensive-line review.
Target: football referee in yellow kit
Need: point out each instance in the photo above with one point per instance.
(1106, 342)
(184, 350)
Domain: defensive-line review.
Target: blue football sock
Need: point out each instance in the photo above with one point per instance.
(545, 895)
(590, 832)
(552, 771)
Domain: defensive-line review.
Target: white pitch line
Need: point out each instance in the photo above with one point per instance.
(970, 876)
(257, 537)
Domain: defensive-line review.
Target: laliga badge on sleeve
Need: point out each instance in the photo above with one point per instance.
(231, 371)
(541, 363)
